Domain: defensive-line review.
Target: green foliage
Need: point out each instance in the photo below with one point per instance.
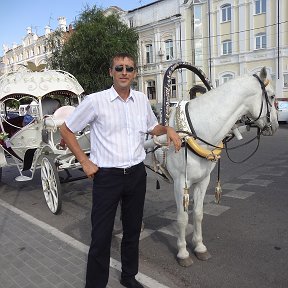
(87, 53)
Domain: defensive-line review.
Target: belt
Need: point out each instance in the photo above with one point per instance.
(121, 171)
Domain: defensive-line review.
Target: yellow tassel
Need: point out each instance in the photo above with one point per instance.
(218, 192)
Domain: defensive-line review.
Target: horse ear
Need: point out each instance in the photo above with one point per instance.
(263, 74)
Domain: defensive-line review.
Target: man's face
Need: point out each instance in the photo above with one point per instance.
(123, 72)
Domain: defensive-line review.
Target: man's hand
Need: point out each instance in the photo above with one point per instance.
(89, 168)
(174, 137)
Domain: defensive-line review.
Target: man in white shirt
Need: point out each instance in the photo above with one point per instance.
(119, 117)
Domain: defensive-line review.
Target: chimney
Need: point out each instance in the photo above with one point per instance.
(47, 30)
(62, 23)
(29, 30)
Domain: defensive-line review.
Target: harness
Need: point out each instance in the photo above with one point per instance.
(188, 133)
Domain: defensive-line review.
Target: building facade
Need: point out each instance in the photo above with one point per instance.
(241, 36)
(163, 27)
(225, 38)
(33, 48)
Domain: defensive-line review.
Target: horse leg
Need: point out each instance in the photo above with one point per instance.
(183, 256)
(200, 249)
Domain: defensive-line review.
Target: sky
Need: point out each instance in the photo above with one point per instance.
(17, 15)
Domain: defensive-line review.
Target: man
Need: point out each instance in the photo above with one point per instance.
(119, 118)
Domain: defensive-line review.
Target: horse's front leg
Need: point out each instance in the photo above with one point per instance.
(183, 256)
(199, 192)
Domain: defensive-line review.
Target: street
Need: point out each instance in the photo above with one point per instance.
(246, 233)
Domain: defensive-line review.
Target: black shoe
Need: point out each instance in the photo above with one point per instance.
(131, 283)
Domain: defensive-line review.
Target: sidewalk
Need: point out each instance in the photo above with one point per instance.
(33, 254)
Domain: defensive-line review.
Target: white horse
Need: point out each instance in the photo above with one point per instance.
(213, 115)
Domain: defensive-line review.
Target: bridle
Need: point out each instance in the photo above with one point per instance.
(251, 122)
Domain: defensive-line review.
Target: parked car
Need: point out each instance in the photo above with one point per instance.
(282, 109)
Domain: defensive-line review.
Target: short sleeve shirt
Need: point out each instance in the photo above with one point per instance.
(117, 127)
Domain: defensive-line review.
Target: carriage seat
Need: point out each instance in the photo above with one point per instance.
(59, 116)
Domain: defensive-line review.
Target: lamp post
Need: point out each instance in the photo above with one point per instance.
(209, 40)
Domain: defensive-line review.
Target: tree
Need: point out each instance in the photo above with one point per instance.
(86, 53)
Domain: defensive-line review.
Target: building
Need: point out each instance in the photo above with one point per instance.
(163, 27)
(235, 37)
(225, 38)
(34, 48)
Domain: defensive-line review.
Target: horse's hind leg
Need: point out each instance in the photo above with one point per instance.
(200, 249)
(183, 256)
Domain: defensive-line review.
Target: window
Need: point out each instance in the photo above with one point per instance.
(169, 49)
(285, 76)
(227, 47)
(173, 88)
(226, 77)
(131, 23)
(226, 13)
(151, 91)
(260, 41)
(149, 54)
(260, 6)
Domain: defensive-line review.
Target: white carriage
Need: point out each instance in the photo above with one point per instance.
(30, 138)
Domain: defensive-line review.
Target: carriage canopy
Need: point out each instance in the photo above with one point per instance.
(38, 84)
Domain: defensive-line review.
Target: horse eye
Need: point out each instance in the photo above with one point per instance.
(272, 97)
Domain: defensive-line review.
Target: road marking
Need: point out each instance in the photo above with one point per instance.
(144, 279)
(239, 194)
(144, 234)
(173, 229)
(231, 186)
(214, 209)
(260, 182)
(249, 176)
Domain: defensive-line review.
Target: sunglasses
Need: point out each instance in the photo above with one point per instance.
(119, 68)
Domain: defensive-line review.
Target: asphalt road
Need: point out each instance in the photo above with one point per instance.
(246, 233)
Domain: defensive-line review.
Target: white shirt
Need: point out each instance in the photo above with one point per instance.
(117, 127)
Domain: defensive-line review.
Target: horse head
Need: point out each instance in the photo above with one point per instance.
(264, 117)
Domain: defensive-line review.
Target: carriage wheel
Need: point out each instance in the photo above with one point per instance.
(51, 185)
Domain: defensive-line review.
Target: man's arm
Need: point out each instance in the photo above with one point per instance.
(70, 140)
(171, 135)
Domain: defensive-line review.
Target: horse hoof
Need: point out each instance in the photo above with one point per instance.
(185, 262)
(203, 255)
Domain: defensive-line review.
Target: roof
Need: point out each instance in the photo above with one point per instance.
(38, 84)
(141, 7)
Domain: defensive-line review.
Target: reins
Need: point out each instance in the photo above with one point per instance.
(241, 145)
(225, 141)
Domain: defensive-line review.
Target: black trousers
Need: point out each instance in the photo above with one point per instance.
(109, 187)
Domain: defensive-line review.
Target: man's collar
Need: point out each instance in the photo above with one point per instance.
(114, 94)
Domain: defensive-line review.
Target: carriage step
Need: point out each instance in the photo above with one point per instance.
(23, 178)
